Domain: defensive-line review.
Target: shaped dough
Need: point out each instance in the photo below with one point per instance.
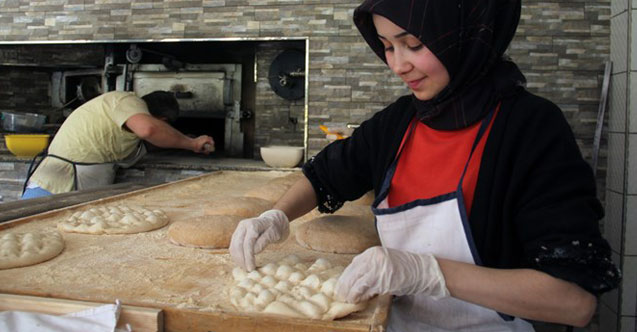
(22, 249)
(121, 219)
(338, 234)
(366, 200)
(275, 289)
(246, 207)
(204, 232)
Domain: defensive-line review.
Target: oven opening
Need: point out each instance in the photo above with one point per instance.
(196, 126)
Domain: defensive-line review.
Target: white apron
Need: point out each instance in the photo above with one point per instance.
(90, 176)
(437, 225)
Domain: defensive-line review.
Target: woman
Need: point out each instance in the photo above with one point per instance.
(484, 205)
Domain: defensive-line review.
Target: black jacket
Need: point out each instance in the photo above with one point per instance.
(535, 203)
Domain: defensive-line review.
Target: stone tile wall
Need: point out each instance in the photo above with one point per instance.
(347, 82)
(24, 90)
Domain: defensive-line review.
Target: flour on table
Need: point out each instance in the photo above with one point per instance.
(118, 219)
(22, 249)
(291, 288)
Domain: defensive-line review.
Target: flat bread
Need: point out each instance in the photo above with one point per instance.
(246, 207)
(119, 219)
(274, 189)
(23, 249)
(291, 288)
(210, 232)
(338, 234)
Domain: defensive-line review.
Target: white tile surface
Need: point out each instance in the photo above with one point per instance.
(617, 6)
(614, 220)
(617, 102)
(615, 176)
(628, 324)
(632, 110)
(632, 164)
(633, 40)
(629, 286)
(619, 42)
(630, 228)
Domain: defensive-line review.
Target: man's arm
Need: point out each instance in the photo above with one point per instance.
(161, 134)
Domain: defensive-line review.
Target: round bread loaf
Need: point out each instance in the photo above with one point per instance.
(246, 207)
(366, 200)
(210, 232)
(274, 189)
(338, 234)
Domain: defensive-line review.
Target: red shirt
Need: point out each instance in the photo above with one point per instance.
(432, 162)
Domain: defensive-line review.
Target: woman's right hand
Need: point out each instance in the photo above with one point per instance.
(254, 234)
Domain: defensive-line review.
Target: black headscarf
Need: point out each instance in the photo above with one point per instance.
(469, 37)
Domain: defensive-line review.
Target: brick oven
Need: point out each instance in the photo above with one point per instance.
(216, 83)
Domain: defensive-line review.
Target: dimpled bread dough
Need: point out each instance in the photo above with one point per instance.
(338, 234)
(22, 249)
(291, 288)
(209, 232)
(121, 219)
(275, 188)
(246, 207)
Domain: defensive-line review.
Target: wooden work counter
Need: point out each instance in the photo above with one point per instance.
(190, 286)
(24, 208)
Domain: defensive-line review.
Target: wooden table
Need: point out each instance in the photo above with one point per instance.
(146, 270)
(24, 208)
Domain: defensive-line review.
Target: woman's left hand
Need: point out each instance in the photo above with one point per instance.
(380, 270)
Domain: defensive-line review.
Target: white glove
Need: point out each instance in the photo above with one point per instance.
(380, 270)
(252, 235)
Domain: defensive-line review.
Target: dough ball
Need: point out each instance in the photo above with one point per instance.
(204, 232)
(274, 189)
(279, 289)
(338, 234)
(246, 207)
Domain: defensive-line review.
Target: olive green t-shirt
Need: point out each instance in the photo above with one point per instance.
(93, 133)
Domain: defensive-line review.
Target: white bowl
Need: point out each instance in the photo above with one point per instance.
(282, 156)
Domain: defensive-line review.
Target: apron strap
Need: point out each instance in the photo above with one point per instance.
(32, 169)
(483, 129)
(384, 188)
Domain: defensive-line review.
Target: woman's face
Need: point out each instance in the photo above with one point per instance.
(406, 56)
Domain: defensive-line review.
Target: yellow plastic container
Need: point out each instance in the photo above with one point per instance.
(26, 145)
